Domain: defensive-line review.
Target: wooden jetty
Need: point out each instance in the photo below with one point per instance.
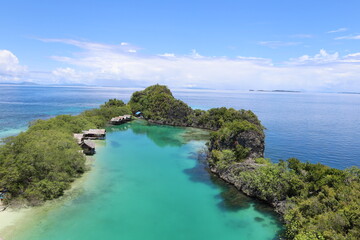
(84, 139)
(120, 119)
(95, 134)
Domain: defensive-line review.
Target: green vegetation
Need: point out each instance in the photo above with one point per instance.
(317, 202)
(232, 128)
(265, 161)
(39, 164)
(321, 202)
(158, 105)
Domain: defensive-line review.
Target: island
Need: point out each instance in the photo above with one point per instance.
(276, 91)
(314, 200)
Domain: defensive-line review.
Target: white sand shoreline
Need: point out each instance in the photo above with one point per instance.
(14, 219)
(10, 217)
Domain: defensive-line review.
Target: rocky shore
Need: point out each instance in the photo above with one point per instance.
(231, 173)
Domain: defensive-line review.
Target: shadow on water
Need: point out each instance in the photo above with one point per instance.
(230, 199)
(162, 136)
(115, 144)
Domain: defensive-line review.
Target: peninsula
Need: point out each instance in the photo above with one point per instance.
(315, 201)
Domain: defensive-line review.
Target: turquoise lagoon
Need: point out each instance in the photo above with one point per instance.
(149, 182)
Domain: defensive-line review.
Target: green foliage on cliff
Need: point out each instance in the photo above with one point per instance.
(231, 127)
(113, 103)
(322, 202)
(222, 158)
(40, 164)
(329, 205)
(215, 118)
(158, 104)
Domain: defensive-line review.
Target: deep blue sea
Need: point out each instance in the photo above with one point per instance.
(315, 127)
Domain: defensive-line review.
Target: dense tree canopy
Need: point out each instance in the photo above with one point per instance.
(40, 164)
(319, 202)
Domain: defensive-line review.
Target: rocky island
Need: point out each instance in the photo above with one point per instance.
(315, 201)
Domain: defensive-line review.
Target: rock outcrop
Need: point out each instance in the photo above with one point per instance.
(231, 173)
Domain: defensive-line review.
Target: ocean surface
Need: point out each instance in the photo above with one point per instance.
(315, 127)
(147, 183)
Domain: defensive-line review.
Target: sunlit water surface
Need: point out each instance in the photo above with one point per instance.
(148, 183)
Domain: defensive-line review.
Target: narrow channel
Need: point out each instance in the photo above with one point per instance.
(147, 182)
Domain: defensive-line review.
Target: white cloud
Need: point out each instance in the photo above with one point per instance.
(167, 55)
(320, 58)
(352, 37)
(10, 68)
(321, 71)
(69, 75)
(195, 54)
(277, 44)
(325, 58)
(338, 30)
(97, 63)
(263, 61)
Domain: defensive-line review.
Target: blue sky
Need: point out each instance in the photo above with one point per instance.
(306, 45)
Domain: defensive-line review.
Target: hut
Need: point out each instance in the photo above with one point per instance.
(117, 120)
(88, 147)
(2, 196)
(139, 114)
(127, 117)
(120, 119)
(79, 137)
(94, 134)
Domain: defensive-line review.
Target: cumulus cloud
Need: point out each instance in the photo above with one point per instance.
(320, 58)
(352, 37)
(10, 68)
(70, 75)
(98, 63)
(338, 30)
(323, 71)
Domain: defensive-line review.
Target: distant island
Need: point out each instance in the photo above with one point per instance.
(314, 200)
(18, 83)
(349, 92)
(285, 91)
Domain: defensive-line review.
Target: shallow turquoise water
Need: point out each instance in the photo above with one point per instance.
(148, 184)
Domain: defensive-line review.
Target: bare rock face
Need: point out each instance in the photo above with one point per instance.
(253, 140)
(231, 173)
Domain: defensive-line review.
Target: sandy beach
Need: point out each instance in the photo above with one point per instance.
(9, 219)
(13, 220)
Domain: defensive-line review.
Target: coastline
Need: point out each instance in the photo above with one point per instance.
(14, 219)
(229, 176)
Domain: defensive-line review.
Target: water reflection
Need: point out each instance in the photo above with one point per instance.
(229, 198)
(115, 144)
(163, 136)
